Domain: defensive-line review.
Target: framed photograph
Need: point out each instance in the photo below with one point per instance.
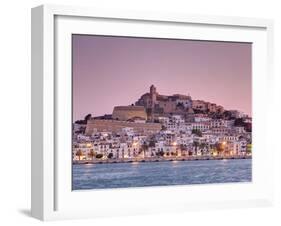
(137, 112)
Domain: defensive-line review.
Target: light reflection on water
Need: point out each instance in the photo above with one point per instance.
(122, 175)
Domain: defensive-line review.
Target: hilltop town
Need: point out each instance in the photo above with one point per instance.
(161, 127)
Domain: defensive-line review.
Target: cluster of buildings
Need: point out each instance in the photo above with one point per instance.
(159, 126)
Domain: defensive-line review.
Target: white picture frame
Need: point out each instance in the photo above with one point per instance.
(52, 197)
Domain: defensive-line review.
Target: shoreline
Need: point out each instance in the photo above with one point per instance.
(157, 159)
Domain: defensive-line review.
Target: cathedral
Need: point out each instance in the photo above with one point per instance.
(157, 104)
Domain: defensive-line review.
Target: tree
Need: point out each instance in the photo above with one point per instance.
(123, 151)
(151, 143)
(80, 122)
(203, 147)
(183, 149)
(195, 144)
(220, 148)
(161, 153)
(248, 127)
(144, 148)
(110, 155)
(99, 156)
(87, 117)
(239, 122)
(197, 132)
(84, 121)
(79, 153)
(212, 148)
(227, 115)
(163, 128)
(91, 154)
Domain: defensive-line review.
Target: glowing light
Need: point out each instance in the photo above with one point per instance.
(175, 143)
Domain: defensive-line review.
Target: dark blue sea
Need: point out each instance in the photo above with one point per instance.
(143, 174)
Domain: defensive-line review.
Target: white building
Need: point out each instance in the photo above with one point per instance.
(82, 137)
(218, 123)
(128, 131)
(201, 118)
(239, 129)
(202, 126)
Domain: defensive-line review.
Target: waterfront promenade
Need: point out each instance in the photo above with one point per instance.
(160, 159)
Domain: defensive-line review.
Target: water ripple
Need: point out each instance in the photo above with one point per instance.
(122, 175)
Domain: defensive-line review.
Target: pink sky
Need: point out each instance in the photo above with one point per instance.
(111, 71)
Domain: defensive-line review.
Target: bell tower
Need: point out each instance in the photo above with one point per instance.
(152, 89)
(153, 94)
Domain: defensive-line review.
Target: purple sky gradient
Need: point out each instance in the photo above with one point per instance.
(110, 71)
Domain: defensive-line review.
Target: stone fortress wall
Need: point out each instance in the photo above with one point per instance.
(124, 113)
(97, 125)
